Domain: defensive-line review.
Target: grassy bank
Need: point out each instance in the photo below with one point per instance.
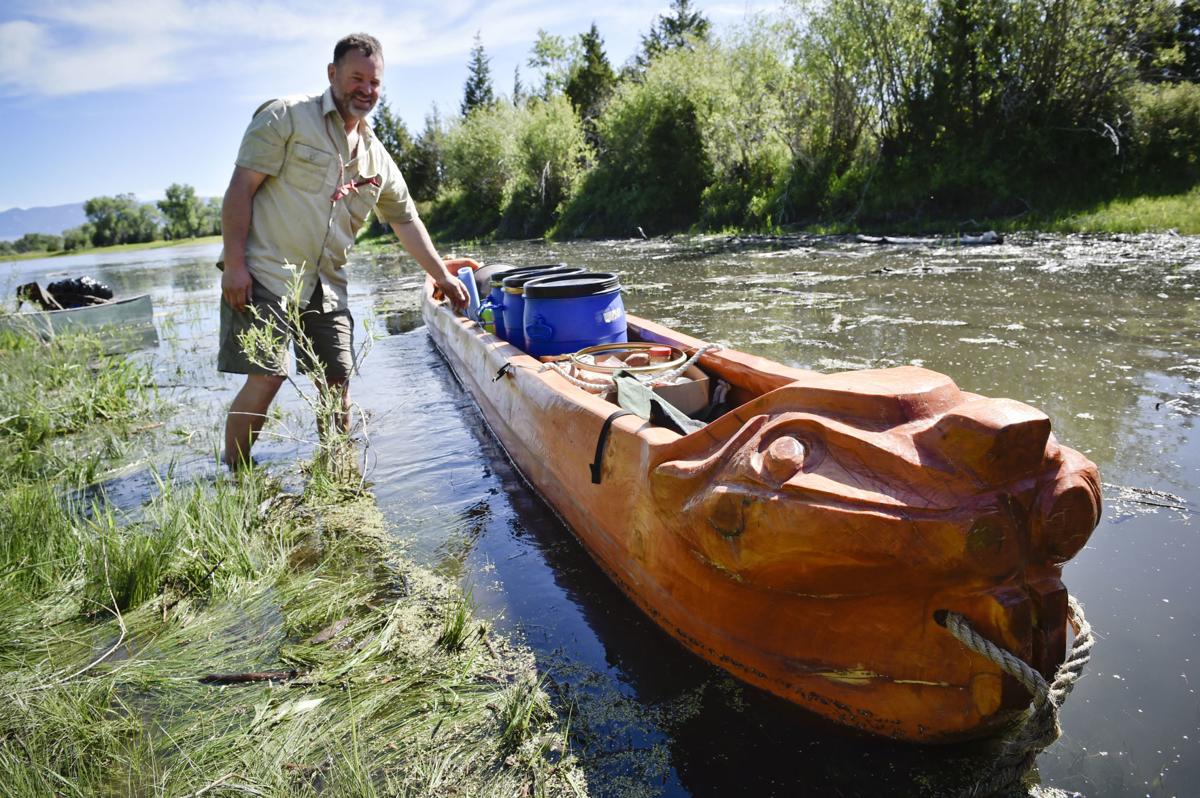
(1179, 213)
(116, 248)
(229, 636)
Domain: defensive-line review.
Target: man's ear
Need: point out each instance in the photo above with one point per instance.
(329, 71)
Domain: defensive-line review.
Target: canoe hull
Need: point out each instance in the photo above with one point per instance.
(822, 592)
(121, 324)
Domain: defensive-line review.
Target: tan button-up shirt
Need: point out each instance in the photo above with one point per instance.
(301, 143)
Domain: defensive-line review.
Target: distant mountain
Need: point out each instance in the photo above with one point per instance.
(16, 222)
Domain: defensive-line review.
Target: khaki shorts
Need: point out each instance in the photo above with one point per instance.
(331, 336)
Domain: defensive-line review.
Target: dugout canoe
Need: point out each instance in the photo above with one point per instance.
(120, 323)
(804, 540)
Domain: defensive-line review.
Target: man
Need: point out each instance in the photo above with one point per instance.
(309, 170)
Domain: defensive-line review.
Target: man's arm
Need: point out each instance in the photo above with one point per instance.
(235, 229)
(415, 238)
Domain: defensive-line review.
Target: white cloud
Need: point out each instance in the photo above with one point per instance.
(64, 47)
(73, 46)
(20, 41)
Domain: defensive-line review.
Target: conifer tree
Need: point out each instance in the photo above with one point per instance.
(592, 80)
(478, 89)
(424, 171)
(392, 133)
(518, 95)
(673, 31)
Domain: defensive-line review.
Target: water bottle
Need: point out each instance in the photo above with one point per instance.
(467, 275)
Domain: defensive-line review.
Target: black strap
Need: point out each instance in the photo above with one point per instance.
(506, 368)
(601, 441)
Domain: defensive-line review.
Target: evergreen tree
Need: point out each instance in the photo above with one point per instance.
(424, 171)
(391, 132)
(592, 80)
(1189, 39)
(673, 31)
(518, 95)
(478, 89)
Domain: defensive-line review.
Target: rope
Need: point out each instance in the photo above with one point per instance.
(1040, 726)
(604, 383)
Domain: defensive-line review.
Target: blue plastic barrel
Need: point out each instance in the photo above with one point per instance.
(568, 312)
(485, 278)
(513, 286)
(495, 298)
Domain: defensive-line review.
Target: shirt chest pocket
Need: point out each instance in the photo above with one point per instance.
(362, 202)
(306, 168)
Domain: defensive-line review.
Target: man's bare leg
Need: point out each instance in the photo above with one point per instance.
(246, 416)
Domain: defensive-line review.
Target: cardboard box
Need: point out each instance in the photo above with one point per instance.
(690, 397)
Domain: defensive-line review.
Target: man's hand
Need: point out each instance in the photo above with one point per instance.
(454, 290)
(235, 286)
(415, 238)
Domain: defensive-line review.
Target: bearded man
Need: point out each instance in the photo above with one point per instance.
(308, 173)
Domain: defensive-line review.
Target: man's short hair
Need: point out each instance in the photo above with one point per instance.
(367, 44)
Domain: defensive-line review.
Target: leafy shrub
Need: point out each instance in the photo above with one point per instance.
(552, 155)
(1165, 138)
(481, 162)
(652, 166)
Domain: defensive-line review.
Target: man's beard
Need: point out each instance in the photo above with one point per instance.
(347, 105)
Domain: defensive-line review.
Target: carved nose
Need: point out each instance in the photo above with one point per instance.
(996, 439)
(1067, 509)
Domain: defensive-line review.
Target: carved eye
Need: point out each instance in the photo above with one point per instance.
(782, 458)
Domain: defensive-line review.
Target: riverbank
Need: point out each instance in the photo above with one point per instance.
(231, 633)
(1178, 213)
(115, 248)
(1175, 213)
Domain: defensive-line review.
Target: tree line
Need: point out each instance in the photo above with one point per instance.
(124, 220)
(849, 111)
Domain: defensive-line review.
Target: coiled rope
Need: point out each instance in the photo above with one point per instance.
(1039, 727)
(602, 384)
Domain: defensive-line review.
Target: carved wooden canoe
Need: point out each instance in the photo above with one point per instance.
(804, 540)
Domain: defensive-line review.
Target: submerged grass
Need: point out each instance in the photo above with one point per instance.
(231, 637)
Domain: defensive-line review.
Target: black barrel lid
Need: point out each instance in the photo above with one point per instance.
(512, 271)
(485, 275)
(516, 282)
(569, 286)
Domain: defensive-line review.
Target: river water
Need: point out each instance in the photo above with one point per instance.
(1103, 334)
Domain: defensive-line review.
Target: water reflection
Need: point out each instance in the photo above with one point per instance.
(1099, 333)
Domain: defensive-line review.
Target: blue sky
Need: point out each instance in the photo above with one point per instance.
(114, 96)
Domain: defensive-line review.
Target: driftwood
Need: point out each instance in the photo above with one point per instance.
(964, 239)
(247, 678)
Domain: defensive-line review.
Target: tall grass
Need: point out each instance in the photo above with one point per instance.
(109, 621)
(66, 387)
(1178, 212)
